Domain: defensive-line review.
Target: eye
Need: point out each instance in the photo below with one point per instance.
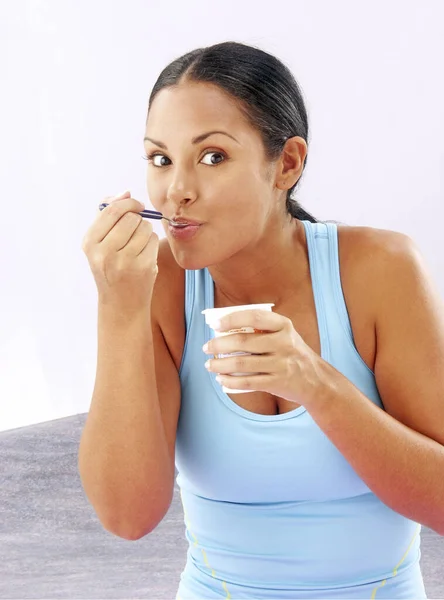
(220, 154)
(151, 158)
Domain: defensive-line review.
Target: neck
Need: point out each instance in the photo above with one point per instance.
(273, 271)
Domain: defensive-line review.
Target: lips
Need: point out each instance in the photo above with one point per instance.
(185, 221)
(183, 233)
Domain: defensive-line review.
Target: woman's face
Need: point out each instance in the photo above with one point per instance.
(222, 181)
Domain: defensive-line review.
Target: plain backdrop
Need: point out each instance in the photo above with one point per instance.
(75, 82)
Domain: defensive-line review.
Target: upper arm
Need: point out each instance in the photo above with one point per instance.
(409, 366)
(165, 303)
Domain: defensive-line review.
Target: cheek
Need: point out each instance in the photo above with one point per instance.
(237, 227)
(156, 193)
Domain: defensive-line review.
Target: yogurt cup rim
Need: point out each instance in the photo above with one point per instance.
(240, 307)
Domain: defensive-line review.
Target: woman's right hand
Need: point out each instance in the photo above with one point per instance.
(122, 248)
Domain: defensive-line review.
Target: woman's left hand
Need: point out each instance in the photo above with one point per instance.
(288, 368)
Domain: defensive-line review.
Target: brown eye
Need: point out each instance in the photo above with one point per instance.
(214, 154)
(160, 160)
(151, 158)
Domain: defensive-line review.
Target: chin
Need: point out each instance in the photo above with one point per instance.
(196, 255)
(195, 259)
(189, 260)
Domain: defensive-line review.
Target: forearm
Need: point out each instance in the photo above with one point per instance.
(123, 456)
(402, 467)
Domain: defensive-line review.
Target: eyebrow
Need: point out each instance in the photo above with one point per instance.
(196, 140)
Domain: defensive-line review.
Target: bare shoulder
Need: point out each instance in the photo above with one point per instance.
(372, 238)
(168, 303)
(370, 248)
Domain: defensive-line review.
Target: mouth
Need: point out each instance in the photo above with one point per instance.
(177, 225)
(179, 222)
(184, 230)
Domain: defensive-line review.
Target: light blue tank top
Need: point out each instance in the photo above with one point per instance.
(272, 509)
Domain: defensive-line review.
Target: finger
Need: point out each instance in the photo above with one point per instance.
(244, 363)
(110, 215)
(252, 382)
(138, 240)
(121, 195)
(255, 343)
(111, 199)
(261, 320)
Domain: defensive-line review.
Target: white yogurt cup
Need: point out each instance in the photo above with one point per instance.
(213, 314)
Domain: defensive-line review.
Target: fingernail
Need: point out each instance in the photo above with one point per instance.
(217, 325)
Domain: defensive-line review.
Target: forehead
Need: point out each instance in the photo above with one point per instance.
(195, 107)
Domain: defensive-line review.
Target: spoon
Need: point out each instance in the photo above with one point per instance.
(151, 214)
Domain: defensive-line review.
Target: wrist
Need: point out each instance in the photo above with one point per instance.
(123, 313)
(320, 383)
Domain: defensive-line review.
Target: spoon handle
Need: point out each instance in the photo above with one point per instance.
(149, 214)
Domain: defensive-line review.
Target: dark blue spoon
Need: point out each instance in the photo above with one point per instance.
(150, 214)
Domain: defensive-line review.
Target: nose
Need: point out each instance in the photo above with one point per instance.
(181, 199)
(181, 191)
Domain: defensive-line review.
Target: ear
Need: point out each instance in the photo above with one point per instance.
(291, 163)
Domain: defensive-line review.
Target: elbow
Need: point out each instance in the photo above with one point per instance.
(438, 526)
(130, 533)
(133, 531)
(440, 530)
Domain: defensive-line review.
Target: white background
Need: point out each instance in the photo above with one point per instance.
(75, 82)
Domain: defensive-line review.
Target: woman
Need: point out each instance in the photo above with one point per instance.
(315, 484)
